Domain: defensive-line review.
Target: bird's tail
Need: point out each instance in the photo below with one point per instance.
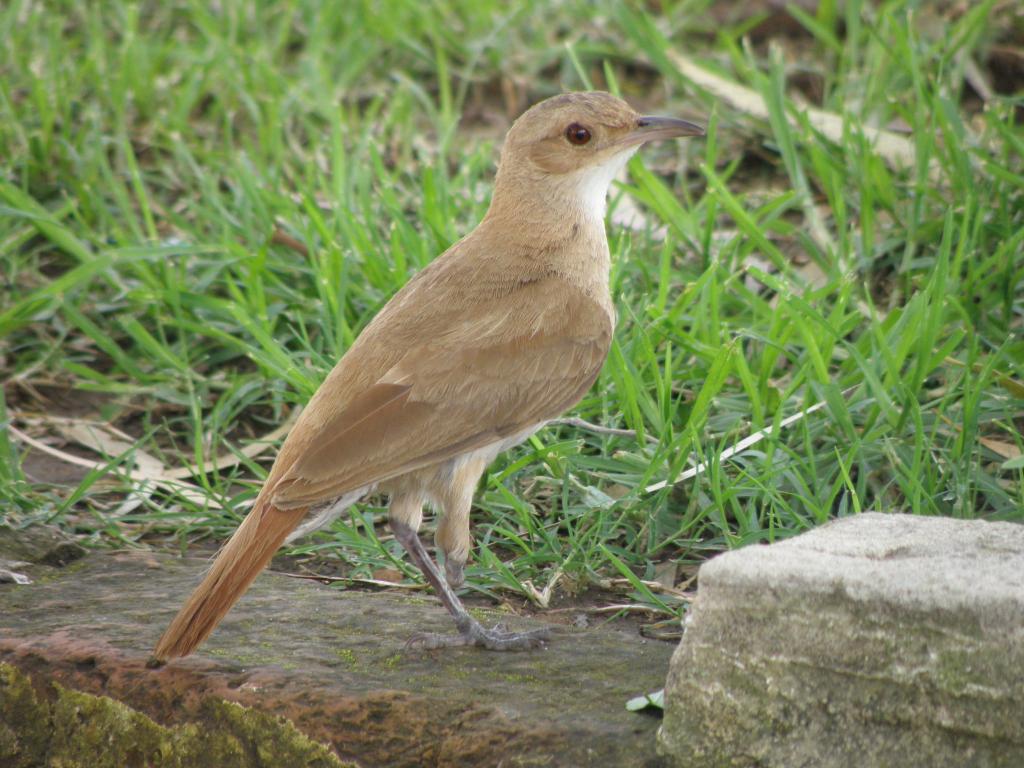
(236, 565)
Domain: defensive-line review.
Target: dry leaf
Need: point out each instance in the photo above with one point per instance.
(665, 573)
(898, 151)
(1006, 450)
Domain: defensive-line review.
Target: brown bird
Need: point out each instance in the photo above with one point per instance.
(505, 330)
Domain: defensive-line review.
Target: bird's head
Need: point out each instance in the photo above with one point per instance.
(574, 144)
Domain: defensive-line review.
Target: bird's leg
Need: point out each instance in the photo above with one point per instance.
(470, 630)
(456, 500)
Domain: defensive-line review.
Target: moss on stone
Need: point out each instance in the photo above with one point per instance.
(347, 655)
(392, 661)
(22, 742)
(74, 729)
(512, 677)
(954, 667)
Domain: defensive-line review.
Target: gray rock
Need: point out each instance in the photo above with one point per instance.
(332, 662)
(38, 545)
(877, 640)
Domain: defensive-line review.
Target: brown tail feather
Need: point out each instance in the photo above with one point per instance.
(237, 564)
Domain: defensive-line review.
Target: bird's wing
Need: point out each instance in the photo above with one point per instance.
(461, 391)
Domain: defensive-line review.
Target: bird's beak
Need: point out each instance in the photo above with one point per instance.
(655, 128)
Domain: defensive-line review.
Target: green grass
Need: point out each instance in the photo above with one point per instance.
(149, 152)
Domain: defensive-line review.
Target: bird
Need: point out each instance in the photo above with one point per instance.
(504, 331)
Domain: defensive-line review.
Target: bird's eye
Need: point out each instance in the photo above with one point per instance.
(577, 134)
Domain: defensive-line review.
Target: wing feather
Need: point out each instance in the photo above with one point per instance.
(454, 395)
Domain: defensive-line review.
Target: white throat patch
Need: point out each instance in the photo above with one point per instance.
(594, 182)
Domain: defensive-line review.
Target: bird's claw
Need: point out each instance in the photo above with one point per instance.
(496, 639)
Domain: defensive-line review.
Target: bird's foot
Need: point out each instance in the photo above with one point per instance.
(496, 639)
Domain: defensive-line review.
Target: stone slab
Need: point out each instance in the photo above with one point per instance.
(333, 663)
(876, 640)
